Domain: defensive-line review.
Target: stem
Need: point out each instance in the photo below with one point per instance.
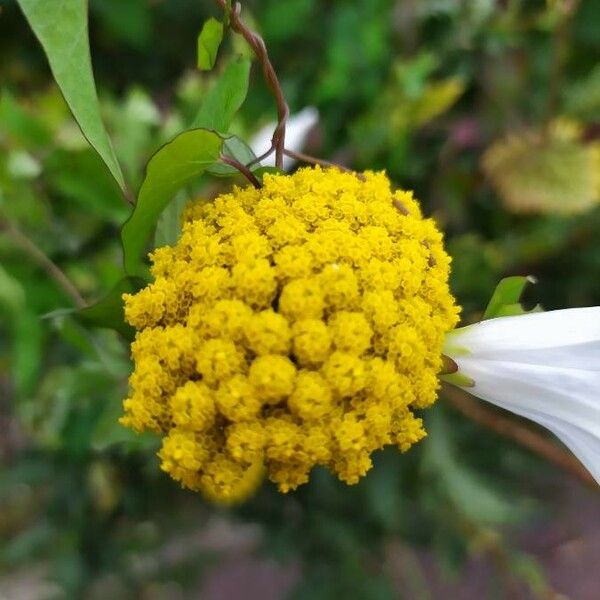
(52, 269)
(519, 433)
(243, 169)
(260, 50)
(314, 161)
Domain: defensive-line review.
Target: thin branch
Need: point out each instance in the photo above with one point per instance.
(243, 169)
(38, 256)
(261, 157)
(311, 160)
(521, 434)
(260, 50)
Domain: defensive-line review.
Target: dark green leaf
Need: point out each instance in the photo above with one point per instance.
(209, 41)
(184, 158)
(506, 296)
(108, 312)
(62, 29)
(226, 97)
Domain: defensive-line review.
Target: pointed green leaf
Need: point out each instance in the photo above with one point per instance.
(225, 98)
(505, 299)
(181, 160)
(62, 29)
(108, 312)
(209, 41)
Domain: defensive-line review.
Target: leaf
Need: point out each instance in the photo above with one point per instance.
(234, 147)
(437, 98)
(225, 98)
(62, 29)
(108, 432)
(209, 41)
(548, 172)
(168, 227)
(505, 299)
(108, 312)
(175, 164)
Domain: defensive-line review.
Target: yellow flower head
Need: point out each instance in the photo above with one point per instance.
(293, 325)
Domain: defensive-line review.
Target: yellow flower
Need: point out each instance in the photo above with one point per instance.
(291, 326)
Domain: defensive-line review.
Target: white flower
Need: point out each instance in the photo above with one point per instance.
(297, 129)
(544, 366)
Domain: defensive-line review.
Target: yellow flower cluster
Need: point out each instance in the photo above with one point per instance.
(291, 326)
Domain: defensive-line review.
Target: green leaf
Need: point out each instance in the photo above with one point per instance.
(544, 171)
(233, 147)
(168, 227)
(184, 158)
(62, 29)
(108, 312)
(505, 299)
(225, 98)
(209, 41)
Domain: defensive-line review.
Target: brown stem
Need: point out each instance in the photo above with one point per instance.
(518, 432)
(312, 160)
(260, 50)
(51, 268)
(243, 169)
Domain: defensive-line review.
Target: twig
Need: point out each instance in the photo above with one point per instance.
(314, 161)
(260, 50)
(519, 433)
(51, 268)
(243, 169)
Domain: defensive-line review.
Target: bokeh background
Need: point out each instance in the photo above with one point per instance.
(489, 110)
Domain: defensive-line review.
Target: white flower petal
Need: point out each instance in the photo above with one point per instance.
(550, 329)
(297, 129)
(544, 367)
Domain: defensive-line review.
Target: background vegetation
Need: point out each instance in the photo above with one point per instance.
(427, 90)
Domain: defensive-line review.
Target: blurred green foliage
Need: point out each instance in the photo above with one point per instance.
(420, 88)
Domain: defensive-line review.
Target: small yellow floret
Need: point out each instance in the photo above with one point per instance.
(273, 377)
